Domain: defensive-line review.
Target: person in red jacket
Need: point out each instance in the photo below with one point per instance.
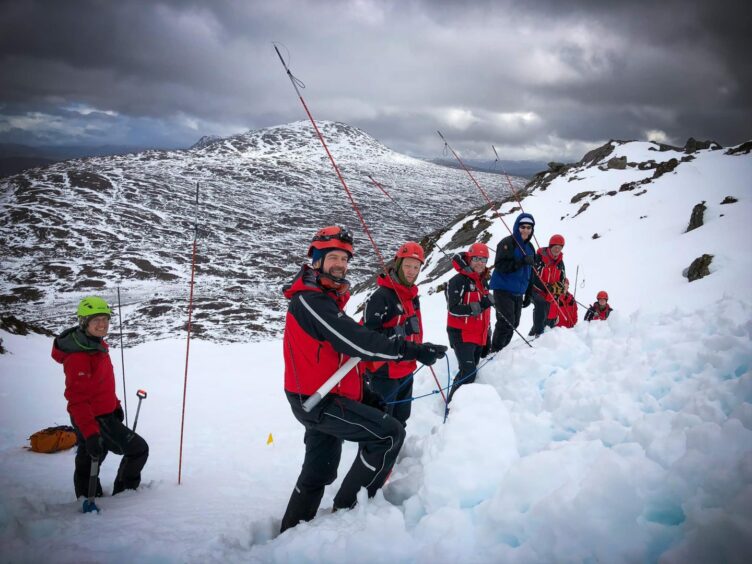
(600, 310)
(319, 337)
(394, 311)
(563, 312)
(94, 408)
(549, 264)
(469, 313)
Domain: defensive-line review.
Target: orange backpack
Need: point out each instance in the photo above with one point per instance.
(53, 439)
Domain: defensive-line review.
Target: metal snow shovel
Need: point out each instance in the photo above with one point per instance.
(141, 396)
(89, 504)
(326, 387)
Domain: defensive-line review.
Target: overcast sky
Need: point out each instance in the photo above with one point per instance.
(537, 79)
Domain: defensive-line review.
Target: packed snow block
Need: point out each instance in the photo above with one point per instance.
(465, 461)
(697, 218)
(700, 268)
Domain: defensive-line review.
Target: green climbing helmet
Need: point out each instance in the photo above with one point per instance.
(93, 305)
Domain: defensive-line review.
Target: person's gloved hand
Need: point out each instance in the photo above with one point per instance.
(118, 413)
(487, 347)
(529, 260)
(94, 446)
(426, 353)
(373, 399)
(486, 302)
(475, 308)
(526, 300)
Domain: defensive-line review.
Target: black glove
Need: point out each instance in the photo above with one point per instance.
(119, 413)
(94, 446)
(487, 347)
(412, 325)
(526, 300)
(529, 260)
(373, 399)
(475, 308)
(486, 302)
(426, 353)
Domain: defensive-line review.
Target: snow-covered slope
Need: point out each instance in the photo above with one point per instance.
(90, 225)
(628, 440)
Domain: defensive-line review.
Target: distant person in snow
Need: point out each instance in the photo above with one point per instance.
(547, 284)
(600, 310)
(511, 281)
(563, 312)
(94, 408)
(319, 337)
(394, 311)
(469, 313)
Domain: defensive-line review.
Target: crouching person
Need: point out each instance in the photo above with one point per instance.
(94, 408)
(319, 337)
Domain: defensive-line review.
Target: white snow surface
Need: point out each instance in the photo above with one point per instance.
(628, 440)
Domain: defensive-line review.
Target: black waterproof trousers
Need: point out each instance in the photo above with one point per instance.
(468, 357)
(540, 313)
(333, 420)
(508, 312)
(119, 439)
(398, 390)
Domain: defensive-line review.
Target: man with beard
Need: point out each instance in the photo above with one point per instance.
(319, 337)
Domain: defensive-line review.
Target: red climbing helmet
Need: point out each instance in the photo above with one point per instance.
(556, 240)
(332, 237)
(477, 250)
(411, 249)
(602, 294)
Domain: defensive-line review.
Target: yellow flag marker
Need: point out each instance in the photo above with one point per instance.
(270, 440)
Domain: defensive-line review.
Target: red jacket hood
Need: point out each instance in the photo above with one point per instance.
(459, 262)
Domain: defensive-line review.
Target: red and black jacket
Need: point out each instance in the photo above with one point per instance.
(464, 288)
(565, 308)
(319, 337)
(595, 312)
(89, 378)
(388, 311)
(550, 271)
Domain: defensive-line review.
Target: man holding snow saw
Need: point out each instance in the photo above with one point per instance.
(94, 408)
(319, 337)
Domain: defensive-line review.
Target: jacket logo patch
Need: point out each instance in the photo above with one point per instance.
(82, 374)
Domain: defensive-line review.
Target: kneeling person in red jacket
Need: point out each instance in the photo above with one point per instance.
(394, 311)
(600, 310)
(94, 408)
(468, 313)
(319, 338)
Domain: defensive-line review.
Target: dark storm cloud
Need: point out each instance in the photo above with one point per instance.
(539, 79)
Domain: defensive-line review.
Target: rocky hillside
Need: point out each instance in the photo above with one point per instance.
(95, 224)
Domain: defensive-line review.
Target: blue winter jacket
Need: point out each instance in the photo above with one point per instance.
(510, 273)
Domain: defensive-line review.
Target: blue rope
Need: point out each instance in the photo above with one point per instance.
(434, 392)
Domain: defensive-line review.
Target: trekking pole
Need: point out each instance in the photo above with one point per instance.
(188, 342)
(141, 396)
(332, 381)
(512, 188)
(122, 355)
(498, 215)
(514, 328)
(89, 504)
(576, 276)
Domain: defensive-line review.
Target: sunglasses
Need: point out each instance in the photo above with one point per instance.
(484, 260)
